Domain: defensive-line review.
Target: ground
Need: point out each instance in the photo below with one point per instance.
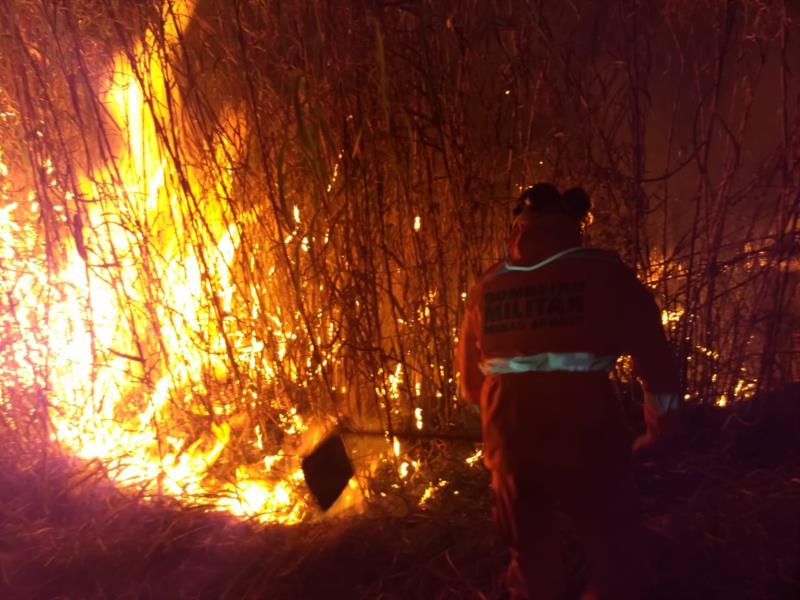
(724, 522)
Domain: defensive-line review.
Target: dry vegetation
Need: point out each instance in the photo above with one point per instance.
(230, 228)
(719, 528)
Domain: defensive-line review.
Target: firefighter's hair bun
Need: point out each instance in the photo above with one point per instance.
(542, 197)
(577, 202)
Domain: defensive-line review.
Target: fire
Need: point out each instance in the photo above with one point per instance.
(432, 490)
(418, 422)
(137, 343)
(475, 457)
(670, 317)
(161, 336)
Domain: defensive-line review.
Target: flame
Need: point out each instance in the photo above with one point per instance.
(404, 469)
(474, 458)
(418, 422)
(113, 390)
(396, 447)
(431, 491)
(671, 317)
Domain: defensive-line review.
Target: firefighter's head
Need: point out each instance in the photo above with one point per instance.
(544, 198)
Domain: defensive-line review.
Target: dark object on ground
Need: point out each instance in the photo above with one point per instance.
(327, 470)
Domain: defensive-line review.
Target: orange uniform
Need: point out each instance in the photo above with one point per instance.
(541, 332)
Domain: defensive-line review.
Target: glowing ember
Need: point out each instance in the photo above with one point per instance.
(404, 469)
(431, 491)
(475, 458)
(670, 317)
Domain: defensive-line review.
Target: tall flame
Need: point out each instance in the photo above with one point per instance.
(141, 325)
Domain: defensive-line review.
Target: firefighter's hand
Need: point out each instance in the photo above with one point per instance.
(646, 446)
(663, 435)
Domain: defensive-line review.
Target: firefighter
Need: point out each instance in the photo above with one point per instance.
(542, 330)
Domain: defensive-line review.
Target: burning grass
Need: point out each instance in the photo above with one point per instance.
(720, 528)
(68, 532)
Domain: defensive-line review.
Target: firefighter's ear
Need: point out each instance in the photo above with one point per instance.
(577, 202)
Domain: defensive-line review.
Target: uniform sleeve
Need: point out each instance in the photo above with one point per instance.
(468, 353)
(654, 363)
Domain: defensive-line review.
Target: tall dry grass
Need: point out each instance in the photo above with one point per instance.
(369, 154)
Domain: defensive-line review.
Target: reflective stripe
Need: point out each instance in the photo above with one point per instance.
(584, 253)
(581, 362)
(544, 262)
(663, 402)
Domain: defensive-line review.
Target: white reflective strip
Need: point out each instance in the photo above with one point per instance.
(546, 261)
(663, 402)
(581, 362)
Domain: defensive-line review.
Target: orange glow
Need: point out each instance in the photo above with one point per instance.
(132, 340)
